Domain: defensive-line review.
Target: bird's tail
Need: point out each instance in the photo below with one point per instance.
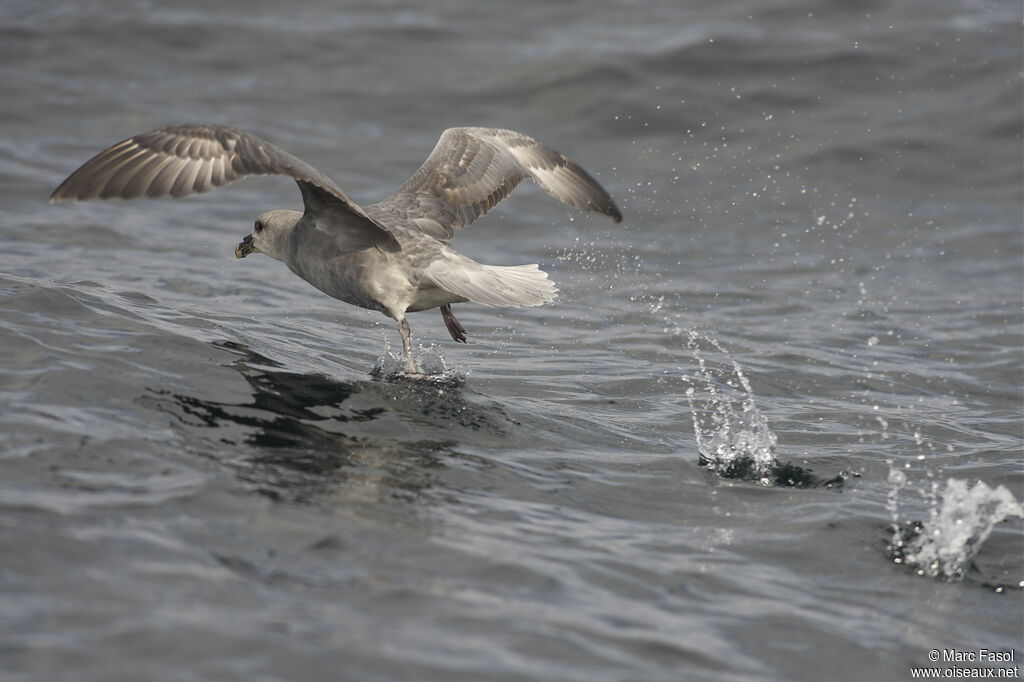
(494, 285)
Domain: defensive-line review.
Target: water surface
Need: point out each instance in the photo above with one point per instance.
(199, 478)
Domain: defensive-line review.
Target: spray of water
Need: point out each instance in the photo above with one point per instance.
(960, 519)
(731, 432)
(430, 365)
(733, 437)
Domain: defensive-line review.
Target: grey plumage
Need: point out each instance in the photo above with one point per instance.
(471, 170)
(179, 160)
(391, 256)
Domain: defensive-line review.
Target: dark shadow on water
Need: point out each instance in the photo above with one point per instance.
(779, 474)
(302, 436)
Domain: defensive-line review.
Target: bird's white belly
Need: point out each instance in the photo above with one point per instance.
(427, 297)
(370, 279)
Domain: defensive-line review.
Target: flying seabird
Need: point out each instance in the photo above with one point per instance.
(392, 256)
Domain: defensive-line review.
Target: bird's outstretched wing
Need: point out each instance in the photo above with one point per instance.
(472, 169)
(179, 160)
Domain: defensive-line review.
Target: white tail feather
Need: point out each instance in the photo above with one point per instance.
(494, 285)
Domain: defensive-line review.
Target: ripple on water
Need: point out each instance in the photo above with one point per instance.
(76, 491)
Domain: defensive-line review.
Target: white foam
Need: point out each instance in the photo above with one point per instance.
(960, 519)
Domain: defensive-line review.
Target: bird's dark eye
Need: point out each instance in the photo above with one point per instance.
(258, 227)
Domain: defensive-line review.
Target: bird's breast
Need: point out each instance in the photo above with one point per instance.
(368, 279)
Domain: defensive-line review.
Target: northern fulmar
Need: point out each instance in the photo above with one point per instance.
(392, 256)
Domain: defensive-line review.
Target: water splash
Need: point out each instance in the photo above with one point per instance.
(732, 433)
(733, 437)
(430, 365)
(960, 519)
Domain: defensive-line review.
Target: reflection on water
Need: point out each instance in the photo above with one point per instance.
(303, 436)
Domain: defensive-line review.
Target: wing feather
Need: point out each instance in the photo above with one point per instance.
(185, 181)
(145, 173)
(188, 159)
(471, 170)
(217, 173)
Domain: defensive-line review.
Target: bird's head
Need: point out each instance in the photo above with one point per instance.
(269, 234)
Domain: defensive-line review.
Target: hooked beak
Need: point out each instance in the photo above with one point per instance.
(245, 247)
